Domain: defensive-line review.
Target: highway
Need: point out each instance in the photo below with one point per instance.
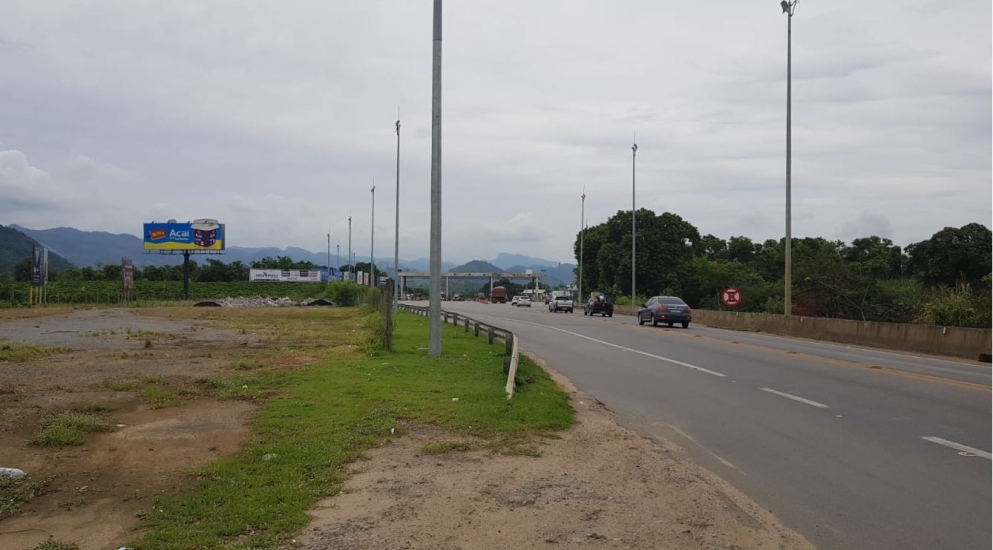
(853, 448)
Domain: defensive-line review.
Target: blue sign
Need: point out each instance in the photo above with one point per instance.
(199, 235)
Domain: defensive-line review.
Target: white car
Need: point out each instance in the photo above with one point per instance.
(521, 301)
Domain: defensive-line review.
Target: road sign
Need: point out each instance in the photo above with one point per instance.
(731, 296)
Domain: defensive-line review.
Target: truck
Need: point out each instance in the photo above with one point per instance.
(498, 295)
(560, 303)
(598, 303)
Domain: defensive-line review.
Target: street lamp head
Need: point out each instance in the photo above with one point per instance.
(785, 5)
(398, 127)
(634, 148)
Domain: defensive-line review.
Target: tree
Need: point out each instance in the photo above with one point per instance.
(952, 256)
(22, 270)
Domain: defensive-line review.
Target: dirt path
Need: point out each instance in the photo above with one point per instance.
(598, 486)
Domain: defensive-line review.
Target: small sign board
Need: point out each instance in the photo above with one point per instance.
(731, 296)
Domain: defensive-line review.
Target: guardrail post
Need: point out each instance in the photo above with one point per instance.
(467, 324)
(476, 329)
(491, 334)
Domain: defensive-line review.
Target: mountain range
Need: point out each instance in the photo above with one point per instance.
(15, 247)
(89, 248)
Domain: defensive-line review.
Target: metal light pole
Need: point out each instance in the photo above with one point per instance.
(788, 9)
(434, 312)
(351, 264)
(337, 257)
(329, 256)
(396, 244)
(372, 238)
(582, 231)
(634, 153)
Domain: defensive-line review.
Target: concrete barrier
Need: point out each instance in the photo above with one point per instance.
(971, 343)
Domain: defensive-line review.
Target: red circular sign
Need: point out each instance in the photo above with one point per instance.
(731, 296)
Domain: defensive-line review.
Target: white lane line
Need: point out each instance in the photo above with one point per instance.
(958, 446)
(796, 398)
(622, 348)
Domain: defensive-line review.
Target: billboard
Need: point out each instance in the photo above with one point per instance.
(39, 265)
(289, 275)
(201, 234)
(127, 276)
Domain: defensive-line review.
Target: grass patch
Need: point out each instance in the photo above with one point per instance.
(446, 447)
(96, 407)
(68, 428)
(317, 419)
(246, 364)
(120, 385)
(56, 545)
(160, 398)
(11, 352)
(16, 492)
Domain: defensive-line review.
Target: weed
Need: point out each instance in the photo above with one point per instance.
(148, 343)
(246, 364)
(96, 407)
(68, 428)
(160, 398)
(442, 448)
(120, 385)
(56, 545)
(157, 380)
(19, 353)
(16, 492)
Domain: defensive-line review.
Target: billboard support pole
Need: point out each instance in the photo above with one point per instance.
(186, 274)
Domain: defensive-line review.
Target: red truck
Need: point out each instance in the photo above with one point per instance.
(498, 295)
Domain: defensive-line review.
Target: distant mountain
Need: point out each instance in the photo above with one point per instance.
(476, 266)
(554, 275)
(15, 247)
(506, 261)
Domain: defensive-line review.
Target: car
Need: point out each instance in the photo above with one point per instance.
(598, 304)
(665, 309)
(560, 303)
(520, 301)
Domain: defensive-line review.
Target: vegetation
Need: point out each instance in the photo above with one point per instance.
(13, 352)
(943, 280)
(326, 415)
(14, 493)
(56, 545)
(68, 428)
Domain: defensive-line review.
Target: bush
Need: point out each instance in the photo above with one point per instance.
(958, 307)
(344, 293)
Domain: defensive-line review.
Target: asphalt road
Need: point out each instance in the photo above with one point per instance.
(851, 447)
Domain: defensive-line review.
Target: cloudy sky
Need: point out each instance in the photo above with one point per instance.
(275, 117)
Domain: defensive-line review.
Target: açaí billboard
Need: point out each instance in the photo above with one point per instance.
(201, 234)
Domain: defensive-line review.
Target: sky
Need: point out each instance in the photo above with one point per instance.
(277, 117)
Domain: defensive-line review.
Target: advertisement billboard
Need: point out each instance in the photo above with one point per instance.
(127, 275)
(39, 265)
(288, 275)
(203, 234)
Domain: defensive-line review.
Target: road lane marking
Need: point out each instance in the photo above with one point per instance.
(796, 398)
(958, 446)
(622, 348)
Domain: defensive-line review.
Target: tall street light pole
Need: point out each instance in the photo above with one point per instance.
(634, 154)
(372, 244)
(582, 231)
(329, 256)
(434, 312)
(351, 264)
(788, 9)
(337, 256)
(396, 244)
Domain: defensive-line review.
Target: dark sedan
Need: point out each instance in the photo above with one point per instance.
(665, 309)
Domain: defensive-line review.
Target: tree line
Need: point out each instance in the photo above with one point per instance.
(211, 270)
(944, 280)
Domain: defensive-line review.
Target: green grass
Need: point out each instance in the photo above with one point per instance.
(318, 419)
(16, 492)
(12, 352)
(68, 428)
(160, 398)
(56, 545)
(246, 364)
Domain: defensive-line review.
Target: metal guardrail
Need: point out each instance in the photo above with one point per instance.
(492, 332)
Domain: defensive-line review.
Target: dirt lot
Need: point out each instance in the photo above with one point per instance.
(597, 485)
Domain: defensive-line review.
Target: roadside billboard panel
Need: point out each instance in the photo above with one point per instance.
(203, 234)
(288, 275)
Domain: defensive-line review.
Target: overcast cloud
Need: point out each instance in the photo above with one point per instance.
(275, 117)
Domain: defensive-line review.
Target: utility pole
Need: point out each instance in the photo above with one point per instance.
(634, 153)
(329, 256)
(372, 238)
(434, 311)
(337, 256)
(396, 244)
(351, 266)
(789, 8)
(582, 232)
